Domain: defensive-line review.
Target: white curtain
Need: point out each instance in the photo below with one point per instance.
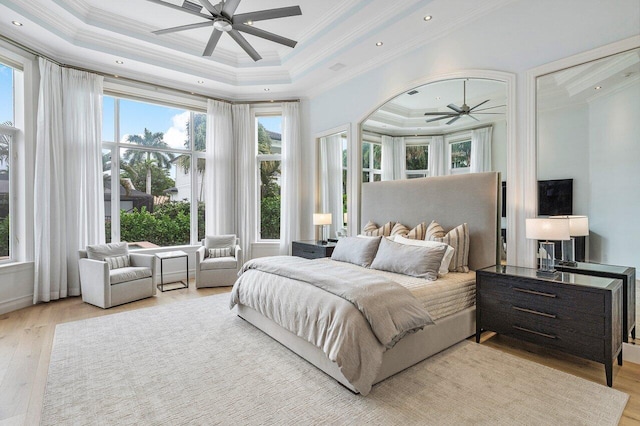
(437, 155)
(220, 170)
(290, 166)
(399, 158)
(68, 192)
(481, 150)
(331, 180)
(245, 177)
(388, 155)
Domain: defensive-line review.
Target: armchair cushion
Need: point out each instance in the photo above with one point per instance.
(117, 262)
(212, 263)
(102, 251)
(131, 273)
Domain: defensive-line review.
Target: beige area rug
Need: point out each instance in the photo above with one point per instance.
(196, 362)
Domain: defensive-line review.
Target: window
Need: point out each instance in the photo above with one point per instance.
(417, 159)
(7, 131)
(154, 166)
(371, 162)
(269, 148)
(460, 156)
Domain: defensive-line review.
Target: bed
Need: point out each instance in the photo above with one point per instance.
(451, 200)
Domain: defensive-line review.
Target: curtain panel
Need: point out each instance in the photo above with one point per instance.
(290, 188)
(437, 154)
(399, 158)
(68, 193)
(481, 150)
(246, 169)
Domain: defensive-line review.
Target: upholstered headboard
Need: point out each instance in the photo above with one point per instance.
(449, 200)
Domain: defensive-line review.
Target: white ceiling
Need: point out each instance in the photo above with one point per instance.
(336, 41)
(404, 114)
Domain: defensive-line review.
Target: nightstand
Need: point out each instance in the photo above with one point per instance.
(628, 277)
(312, 249)
(577, 314)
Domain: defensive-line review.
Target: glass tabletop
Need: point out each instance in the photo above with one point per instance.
(559, 277)
(171, 254)
(598, 267)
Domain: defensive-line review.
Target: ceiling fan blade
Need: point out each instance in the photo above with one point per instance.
(438, 118)
(213, 41)
(183, 9)
(264, 34)
(471, 116)
(230, 7)
(183, 28)
(453, 120)
(211, 8)
(492, 113)
(245, 45)
(263, 15)
(455, 108)
(481, 103)
(440, 113)
(484, 109)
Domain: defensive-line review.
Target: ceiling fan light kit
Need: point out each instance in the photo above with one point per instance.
(223, 19)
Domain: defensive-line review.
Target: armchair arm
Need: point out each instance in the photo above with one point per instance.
(201, 254)
(238, 256)
(95, 282)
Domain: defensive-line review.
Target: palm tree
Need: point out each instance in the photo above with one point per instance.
(149, 158)
(4, 144)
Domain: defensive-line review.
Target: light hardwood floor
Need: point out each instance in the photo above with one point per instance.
(26, 338)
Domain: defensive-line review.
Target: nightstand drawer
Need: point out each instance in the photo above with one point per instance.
(542, 295)
(311, 250)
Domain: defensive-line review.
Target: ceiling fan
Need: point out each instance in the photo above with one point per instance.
(459, 112)
(223, 19)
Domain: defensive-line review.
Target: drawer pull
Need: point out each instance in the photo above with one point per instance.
(537, 293)
(531, 311)
(548, 336)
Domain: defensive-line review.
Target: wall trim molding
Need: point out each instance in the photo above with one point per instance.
(16, 303)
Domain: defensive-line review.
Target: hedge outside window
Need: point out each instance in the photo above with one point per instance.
(269, 146)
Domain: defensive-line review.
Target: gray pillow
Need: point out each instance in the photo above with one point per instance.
(102, 251)
(420, 262)
(356, 250)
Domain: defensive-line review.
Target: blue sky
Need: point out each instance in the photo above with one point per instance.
(6, 94)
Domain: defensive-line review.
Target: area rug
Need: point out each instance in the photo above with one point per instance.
(196, 362)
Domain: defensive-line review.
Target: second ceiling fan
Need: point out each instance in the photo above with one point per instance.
(458, 112)
(224, 19)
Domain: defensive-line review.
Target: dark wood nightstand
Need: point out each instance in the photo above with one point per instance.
(312, 249)
(573, 313)
(628, 277)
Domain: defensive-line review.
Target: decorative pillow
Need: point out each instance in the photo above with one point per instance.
(446, 259)
(219, 242)
(416, 233)
(117, 262)
(371, 229)
(458, 238)
(102, 251)
(434, 230)
(416, 261)
(359, 251)
(220, 252)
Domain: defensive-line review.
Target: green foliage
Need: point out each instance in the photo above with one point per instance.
(417, 157)
(264, 140)
(460, 154)
(160, 179)
(168, 225)
(4, 237)
(270, 218)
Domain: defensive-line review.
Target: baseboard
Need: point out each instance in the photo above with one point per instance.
(16, 303)
(631, 353)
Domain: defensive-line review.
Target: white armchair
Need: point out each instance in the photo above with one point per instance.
(111, 276)
(218, 271)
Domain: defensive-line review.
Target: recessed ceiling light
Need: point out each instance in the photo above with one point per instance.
(428, 18)
(119, 62)
(16, 23)
(438, 98)
(200, 81)
(598, 87)
(379, 43)
(266, 89)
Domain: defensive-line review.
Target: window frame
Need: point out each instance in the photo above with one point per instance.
(371, 171)
(116, 146)
(256, 113)
(417, 141)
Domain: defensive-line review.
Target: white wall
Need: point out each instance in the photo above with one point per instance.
(614, 150)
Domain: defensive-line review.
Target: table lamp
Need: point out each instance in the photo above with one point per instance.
(322, 219)
(578, 227)
(546, 230)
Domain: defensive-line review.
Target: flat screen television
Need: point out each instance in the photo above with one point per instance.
(555, 197)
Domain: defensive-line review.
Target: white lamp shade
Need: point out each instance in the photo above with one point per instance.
(547, 229)
(322, 218)
(578, 225)
(345, 218)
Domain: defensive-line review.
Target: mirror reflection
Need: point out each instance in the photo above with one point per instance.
(333, 181)
(446, 127)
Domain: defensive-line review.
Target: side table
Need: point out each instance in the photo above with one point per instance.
(312, 249)
(166, 255)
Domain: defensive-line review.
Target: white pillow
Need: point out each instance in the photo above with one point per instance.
(446, 260)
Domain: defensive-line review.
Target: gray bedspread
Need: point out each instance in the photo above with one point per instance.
(369, 314)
